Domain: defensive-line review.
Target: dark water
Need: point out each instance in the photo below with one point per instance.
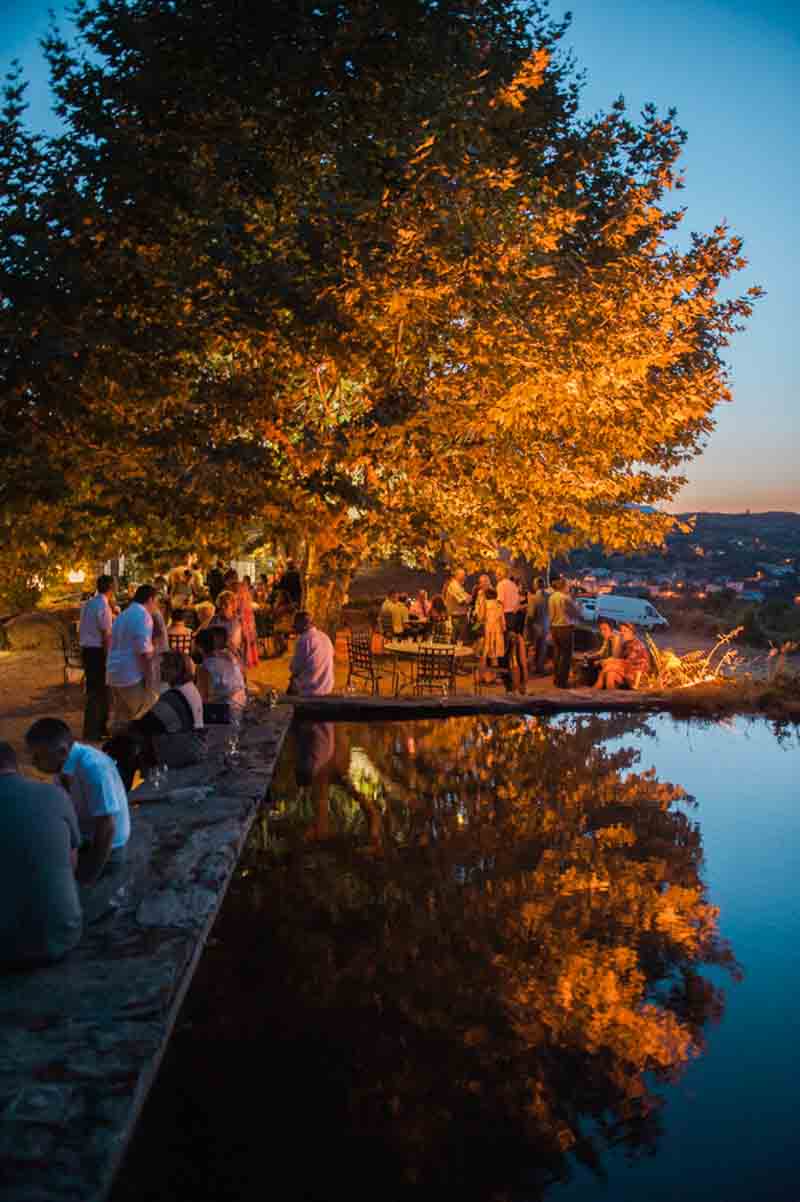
(499, 959)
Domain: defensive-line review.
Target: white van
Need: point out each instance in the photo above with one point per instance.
(621, 609)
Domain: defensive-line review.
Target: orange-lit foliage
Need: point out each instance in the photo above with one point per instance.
(398, 289)
(526, 909)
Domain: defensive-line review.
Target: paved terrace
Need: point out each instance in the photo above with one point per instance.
(82, 1040)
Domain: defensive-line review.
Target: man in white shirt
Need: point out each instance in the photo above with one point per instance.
(96, 789)
(94, 635)
(131, 668)
(457, 599)
(311, 669)
(508, 596)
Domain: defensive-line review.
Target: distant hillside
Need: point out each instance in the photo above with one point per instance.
(746, 525)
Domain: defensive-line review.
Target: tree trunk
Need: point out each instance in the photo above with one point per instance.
(326, 582)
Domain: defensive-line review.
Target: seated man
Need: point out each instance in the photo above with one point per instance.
(632, 663)
(40, 915)
(98, 794)
(394, 613)
(171, 732)
(311, 669)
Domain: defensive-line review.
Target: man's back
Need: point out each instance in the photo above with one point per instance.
(312, 663)
(40, 912)
(131, 635)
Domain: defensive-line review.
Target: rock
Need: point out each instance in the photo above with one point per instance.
(34, 632)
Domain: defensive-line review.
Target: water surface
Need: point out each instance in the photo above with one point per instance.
(511, 958)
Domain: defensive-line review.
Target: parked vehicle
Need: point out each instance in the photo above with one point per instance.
(621, 609)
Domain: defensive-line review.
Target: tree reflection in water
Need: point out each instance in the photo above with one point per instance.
(512, 920)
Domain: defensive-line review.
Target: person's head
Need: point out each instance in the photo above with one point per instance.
(178, 617)
(560, 584)
(8, 759)
(460, 575)
(211, 640)
(303, 621)
(484, 581)
(49, 741)
(263, 578)
(204, 612)
(176, 668)
(392, 594)
(606, 627)
(628, 631)
(247, 581)
(501, 572)
(104, 584)
(187, 575)
(226, 604)
(538, 583)
(147, 596)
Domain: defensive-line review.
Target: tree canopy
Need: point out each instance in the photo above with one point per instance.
(357, 271)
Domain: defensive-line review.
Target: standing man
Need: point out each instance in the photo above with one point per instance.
(40, 912)
(457, 601)
(215, 581)
(131, 670)
(291, 583)
(508, 595)
(564, 614)
(94, 635)
(95, 786)
(311, 669)
(539, 624)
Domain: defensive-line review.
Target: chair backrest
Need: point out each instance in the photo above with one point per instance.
(435, 665)
(180, 642)
(360, 650)
(440, 632)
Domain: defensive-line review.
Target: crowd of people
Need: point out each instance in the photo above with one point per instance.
(159, 667)
(516, 630)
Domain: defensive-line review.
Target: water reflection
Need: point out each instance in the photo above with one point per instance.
(506, 920)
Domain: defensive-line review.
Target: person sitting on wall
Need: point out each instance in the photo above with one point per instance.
(94, 784)
(610, 648)
(627, 669)
(171, 732)
(311, 669)
(219, 677)
(40, 914)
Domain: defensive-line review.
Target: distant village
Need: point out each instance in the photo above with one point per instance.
(756, 557)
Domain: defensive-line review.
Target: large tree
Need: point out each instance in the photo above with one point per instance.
(359, 273)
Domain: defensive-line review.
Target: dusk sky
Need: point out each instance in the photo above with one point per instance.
(730, 67)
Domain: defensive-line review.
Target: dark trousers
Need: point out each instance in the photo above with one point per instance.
(563, 640)
(98, 695)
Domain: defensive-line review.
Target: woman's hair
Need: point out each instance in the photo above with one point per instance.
(176, 668)
(438, 606)
(204, 611)
(224, 597)
(179, 615)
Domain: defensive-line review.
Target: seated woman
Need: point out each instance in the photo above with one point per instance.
(610, 648)
(204, 612)
(178, 625)
(219, 678)
(441, 622)
(171, 732)
(420, 607)
(629, 666)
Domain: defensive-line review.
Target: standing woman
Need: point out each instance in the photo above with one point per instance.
(244, 607)
(227, 618)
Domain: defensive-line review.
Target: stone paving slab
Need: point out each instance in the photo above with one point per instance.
(82, 1040)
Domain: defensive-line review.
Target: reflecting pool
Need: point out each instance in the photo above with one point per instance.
(503, 958)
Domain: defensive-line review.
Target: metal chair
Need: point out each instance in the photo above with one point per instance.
(435, 670)
(180, 642)
(361, 661)
(73, 659)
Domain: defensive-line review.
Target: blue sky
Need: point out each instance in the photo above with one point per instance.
(730, 67)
